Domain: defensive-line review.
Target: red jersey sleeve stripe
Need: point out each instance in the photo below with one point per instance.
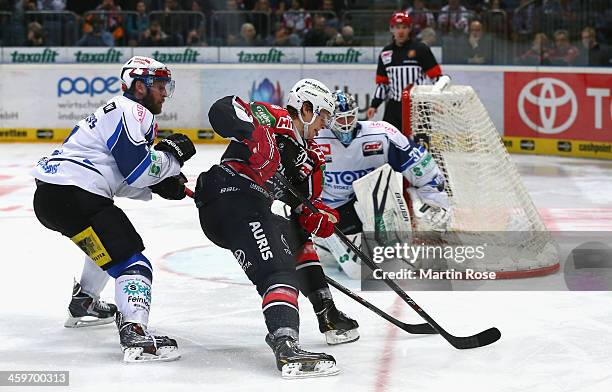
(382, 79)
(434, 71)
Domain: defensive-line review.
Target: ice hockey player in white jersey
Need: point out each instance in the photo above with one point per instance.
(355, 148)
(110, 153)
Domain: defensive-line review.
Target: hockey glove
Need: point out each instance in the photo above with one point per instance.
(171, 188)
(320, 224)
(178, 145)
(435, 208)
(264, 152)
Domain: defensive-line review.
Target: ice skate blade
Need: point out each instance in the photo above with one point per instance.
(86, 321)
(333, 337)
(164, 354)
(294, 370)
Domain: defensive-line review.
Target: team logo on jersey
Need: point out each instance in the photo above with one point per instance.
(139, 112)
(412, 53)
(285, 122)
(326, 150)
(386, 56)
(372, 148)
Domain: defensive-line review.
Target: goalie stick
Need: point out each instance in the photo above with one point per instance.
(480, 339)
(417, 329)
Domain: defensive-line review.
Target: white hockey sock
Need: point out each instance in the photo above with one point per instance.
(133, 297)
(93, 278)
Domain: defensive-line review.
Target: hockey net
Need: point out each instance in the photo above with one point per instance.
(488, 199)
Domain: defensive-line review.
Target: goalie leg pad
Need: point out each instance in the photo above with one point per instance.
(382, 208)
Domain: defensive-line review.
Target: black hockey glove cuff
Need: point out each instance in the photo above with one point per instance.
(171, 188)
(178, 145)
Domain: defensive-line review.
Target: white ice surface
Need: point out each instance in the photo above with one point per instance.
(551, 341)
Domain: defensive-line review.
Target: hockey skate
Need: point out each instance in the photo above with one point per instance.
(337, 326)
(85, 311)
(294, 362)
(139, 345)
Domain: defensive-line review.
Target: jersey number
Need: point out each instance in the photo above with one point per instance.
(91, 120)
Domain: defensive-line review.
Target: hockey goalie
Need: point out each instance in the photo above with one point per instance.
(463, 186)
(365, 161)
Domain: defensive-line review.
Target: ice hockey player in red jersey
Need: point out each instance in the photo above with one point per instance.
(234, 200)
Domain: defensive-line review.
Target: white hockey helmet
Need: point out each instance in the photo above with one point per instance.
(147, 70)
(345, 117)
(315, 92)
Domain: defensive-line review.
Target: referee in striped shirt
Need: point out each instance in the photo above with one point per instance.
(401, 63)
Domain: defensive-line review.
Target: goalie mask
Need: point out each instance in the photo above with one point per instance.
(345, 118)
(147, 70)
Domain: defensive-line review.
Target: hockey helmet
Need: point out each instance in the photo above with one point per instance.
(147, 70)
(345, 117)
(400, 17)
(315, 92)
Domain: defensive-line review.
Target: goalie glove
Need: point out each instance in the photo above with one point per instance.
(432, 203)
(319, 223)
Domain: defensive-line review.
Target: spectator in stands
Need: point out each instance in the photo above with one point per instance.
(296, 19)
(194, 38)
(30, 5)
(329, 12)
(591, 52)
(96, 36)
(51, 5)
(79, 7)
(428, 36)
(172, 5)
(317, 36)
(523, 21)
(113, 20)
(155, 36)
(248, 36)
(564, 53)
(227, 25)
(35, 35)
(495, 19)
(346, 37)
(477, 47)
(196, 24)
(261, 18)
(537, 54)
(280, 6)
(171, 23)
(138, 24)
(422, 17)
(283, 37)
(453, 18)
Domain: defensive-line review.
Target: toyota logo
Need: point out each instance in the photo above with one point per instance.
(239, 255)
(549, 105)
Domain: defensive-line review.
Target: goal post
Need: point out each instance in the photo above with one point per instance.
(488, 198)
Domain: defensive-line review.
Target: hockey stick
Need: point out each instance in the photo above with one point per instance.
(417, 329)
(483, 338)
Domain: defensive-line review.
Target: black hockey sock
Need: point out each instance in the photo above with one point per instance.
(311, 277)
(318, 299)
